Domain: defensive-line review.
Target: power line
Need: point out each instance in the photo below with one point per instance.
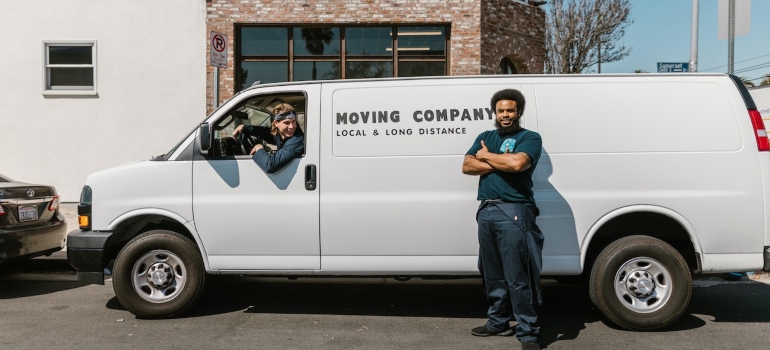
(762, 77)
(748, 69)
(724, 65)
(754, 67)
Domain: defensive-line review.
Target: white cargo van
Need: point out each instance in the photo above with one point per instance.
(644, 180)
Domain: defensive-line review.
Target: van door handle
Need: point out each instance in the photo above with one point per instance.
(310, 177)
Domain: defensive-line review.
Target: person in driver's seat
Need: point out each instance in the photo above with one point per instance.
(289, 139)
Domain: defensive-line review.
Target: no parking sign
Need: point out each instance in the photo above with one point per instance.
(218, 43)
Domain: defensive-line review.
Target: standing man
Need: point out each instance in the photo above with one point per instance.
(510, 243)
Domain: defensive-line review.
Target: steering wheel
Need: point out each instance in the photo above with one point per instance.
(246, 143)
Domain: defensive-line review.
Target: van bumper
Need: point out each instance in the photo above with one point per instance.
(86, 251)
(766, 255)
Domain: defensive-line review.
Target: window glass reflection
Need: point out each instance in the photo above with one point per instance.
(316, 70)
(70, 55)
(264, 41)
(416, 69)
(506, 67)
(265, 72)
(316, 41)
(368, 69)
(368, 41)
(421, 41)
(71, 77)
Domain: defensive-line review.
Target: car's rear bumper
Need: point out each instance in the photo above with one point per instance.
(86, 251)
(33, 241)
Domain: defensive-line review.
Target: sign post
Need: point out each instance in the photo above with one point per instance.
(673, 67)
(218, 59)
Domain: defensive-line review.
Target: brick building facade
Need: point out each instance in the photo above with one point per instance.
(481, 35)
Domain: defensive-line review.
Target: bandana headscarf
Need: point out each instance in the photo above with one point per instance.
(284, 115)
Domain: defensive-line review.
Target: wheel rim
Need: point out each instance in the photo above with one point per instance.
(159, 276)
(643, 285)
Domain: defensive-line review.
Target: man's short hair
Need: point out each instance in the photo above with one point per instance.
(509, 94)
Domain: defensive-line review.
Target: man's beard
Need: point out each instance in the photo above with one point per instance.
(507, 130)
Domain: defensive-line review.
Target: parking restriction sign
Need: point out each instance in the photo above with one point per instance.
(218, 43)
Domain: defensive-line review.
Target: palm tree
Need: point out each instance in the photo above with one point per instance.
(316, 40)
(765, 80)
(640, 71)
(746, 82)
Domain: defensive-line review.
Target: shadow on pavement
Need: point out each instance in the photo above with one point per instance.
(566, 311)
(449, 301)
(21, 289)
(735, 302)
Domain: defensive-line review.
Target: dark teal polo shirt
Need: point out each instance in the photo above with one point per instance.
(510, 187)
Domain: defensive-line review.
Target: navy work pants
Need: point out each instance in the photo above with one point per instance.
(510, 261)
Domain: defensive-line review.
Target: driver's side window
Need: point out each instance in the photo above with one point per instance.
(254, 112)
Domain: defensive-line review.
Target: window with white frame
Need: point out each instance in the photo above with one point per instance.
(70, 67)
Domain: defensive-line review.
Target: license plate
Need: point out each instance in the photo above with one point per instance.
(28, 213)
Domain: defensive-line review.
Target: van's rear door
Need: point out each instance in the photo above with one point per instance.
(763, 146)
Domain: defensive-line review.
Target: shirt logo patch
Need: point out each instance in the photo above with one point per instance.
(508, 146)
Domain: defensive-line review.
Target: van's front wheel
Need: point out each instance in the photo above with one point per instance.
(640, 283)
(158, 274)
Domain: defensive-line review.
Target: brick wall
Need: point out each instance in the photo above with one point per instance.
(514, 30)
(467, 54)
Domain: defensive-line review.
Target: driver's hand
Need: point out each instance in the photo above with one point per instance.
(238, 130)
(255, 149)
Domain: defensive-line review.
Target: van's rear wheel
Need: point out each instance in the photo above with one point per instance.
(640, 283)
(158, 274)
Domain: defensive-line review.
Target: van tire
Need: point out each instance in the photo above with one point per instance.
(166, 294)
(640, 283)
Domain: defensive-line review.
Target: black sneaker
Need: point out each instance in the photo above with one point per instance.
(530, 345)
(485, 331)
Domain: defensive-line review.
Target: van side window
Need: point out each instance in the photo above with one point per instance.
(254, 112)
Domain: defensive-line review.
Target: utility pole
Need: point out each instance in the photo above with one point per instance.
(599, 62)
(731, 38)
(694, 38)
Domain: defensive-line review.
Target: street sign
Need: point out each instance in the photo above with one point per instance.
(742, 18)
(673, 67)
(218, 43)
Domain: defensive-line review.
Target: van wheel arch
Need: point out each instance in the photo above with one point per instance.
(643, 223)
(133, 227)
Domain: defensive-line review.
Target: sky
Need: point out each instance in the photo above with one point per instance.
(661, 33)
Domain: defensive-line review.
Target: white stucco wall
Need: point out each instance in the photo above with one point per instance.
(151, 83)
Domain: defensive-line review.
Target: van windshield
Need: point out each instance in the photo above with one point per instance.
(166, 155)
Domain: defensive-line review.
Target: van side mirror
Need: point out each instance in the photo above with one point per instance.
(204, 138)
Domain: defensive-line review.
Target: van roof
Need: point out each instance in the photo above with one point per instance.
(493, 76)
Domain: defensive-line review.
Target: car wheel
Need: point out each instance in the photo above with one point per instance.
(640, 283)
(159, 274)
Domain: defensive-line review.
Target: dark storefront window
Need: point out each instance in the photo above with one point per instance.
(368, 41)
(275, 54)
(264, 41)
(316, 41)
(416, 69)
